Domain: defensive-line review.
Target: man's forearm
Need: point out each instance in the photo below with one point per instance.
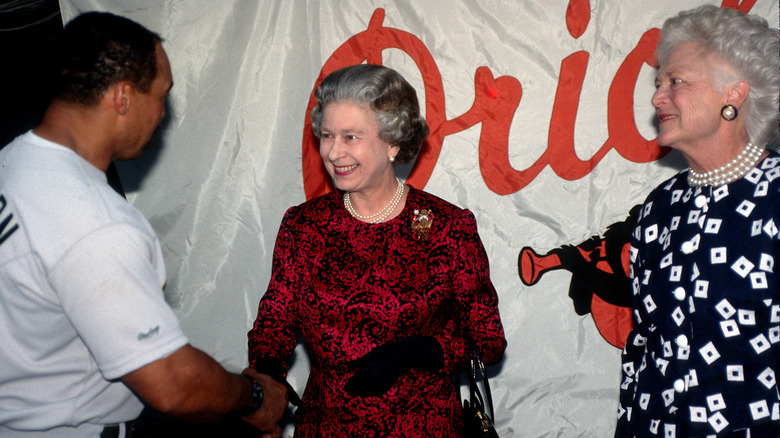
(189, 385)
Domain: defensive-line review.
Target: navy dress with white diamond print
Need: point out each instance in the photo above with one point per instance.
(702, 358)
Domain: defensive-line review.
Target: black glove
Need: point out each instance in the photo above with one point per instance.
(273, 367)
(384, 365)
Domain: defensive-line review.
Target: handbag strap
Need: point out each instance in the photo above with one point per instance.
(477, 372)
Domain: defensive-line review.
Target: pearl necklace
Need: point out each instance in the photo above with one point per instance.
(729, 172)
(382, 214)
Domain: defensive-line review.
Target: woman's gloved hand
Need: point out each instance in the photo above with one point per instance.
(381, 367)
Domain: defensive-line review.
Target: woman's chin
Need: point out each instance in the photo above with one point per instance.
(665, 141)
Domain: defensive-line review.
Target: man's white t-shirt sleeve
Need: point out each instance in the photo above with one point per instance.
(110, 285)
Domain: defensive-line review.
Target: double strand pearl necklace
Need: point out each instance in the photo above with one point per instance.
(729, 172)
(382, 214)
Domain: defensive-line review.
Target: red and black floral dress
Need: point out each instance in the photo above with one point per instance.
(349, 286)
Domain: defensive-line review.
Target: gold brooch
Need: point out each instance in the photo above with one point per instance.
(421, 224)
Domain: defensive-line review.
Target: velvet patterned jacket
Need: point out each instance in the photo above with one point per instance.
(348, 286)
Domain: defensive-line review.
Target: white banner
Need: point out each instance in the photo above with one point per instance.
(541, 125)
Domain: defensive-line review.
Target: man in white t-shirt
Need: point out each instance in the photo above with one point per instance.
(86, 332)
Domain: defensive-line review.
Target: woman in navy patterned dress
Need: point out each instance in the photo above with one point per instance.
(385, 282)
(702, 358)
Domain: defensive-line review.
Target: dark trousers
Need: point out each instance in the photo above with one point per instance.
(153, 424)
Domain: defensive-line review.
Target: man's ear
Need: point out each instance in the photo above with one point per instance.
(121, 97)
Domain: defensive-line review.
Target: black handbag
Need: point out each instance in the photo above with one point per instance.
(478, 422)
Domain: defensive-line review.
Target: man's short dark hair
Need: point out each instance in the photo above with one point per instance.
(98, 50)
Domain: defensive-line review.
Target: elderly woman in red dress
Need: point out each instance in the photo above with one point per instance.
(385, 282)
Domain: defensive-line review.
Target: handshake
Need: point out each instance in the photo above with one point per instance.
(270, 395)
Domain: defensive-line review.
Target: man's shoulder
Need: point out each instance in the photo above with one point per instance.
(57, 198)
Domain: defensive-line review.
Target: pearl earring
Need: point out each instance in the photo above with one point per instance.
(729, 112)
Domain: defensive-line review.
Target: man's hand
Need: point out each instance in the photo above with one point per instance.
(274, 403)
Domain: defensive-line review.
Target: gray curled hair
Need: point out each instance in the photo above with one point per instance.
(387, 94)
(748, 45)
